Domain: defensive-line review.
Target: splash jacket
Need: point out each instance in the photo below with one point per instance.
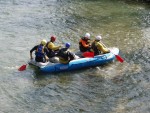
(98, 48)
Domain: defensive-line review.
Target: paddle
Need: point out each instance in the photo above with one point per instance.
(117, 56)
(88, 54)
(23, 67)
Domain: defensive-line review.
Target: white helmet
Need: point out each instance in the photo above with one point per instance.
(98, 38)
(87, 35)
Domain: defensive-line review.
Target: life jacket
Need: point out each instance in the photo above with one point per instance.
(47, 46)
(40, 51)
(81, 46)
(94, 47)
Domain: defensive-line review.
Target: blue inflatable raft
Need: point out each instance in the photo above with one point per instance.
(78, 63)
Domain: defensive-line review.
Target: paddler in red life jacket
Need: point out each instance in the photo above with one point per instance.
(65, 56)
(40, 52)
(52, 50)
(84, 44)
(98, 47)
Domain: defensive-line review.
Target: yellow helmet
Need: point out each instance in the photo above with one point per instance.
(43, 42)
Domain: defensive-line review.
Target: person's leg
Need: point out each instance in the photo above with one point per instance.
(71, 55)
(54, 59)
(39, 59)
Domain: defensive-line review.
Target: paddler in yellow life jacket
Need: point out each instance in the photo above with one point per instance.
(98, 47)
(40, 52)
(84, 44)
(52, 50)
(65, 56)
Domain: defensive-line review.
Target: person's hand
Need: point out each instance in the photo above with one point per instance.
(47, 59)
(108, 51)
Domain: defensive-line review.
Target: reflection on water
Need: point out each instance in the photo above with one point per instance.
(115, 87)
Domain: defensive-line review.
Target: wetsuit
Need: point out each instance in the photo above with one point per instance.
(98, 48)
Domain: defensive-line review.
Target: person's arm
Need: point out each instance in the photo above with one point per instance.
(53, 47)
(45, 54)
(46, 58)
(31, 56)
(102, 48)
(85, 44)
(33, 49)
(71, 56)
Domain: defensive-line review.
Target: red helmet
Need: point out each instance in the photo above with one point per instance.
(53, 38)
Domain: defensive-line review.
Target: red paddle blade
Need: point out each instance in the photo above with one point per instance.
(22, 68)
(88, 54)
(119, 58)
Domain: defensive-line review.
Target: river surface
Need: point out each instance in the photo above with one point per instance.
(112, 88)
